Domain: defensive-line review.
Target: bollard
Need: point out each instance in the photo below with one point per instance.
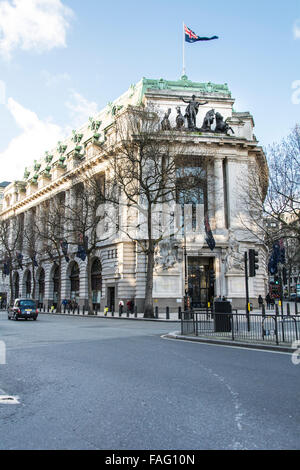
(179, 313)
(127, 313)
(288, 310)
(296, 308)
(135, 311)
(156, 312)
(167, 313)
(276, 310)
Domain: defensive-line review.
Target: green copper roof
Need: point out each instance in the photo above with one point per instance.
(184, 84)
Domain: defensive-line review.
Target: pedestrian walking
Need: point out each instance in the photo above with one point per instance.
(121, 306)
(106, 311)
(260, 301)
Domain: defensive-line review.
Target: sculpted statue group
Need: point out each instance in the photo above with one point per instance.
(222, 127)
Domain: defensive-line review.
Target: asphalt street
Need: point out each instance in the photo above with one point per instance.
(90, 383)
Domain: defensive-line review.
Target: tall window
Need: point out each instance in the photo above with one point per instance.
(191, 185)
(75, 282)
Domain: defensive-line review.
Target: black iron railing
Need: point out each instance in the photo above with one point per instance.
(237, 326)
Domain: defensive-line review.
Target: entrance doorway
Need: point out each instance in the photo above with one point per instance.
(111, 298)
(201, 281)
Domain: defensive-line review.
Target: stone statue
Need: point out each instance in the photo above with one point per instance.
(221, 126)
(165, 123)
(208, 121)
(192, 111)
(166, 255)
(179, 119)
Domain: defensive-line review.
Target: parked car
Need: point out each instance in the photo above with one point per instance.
(23, 308)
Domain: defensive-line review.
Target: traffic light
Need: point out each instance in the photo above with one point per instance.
(253, 263)
(276, 280)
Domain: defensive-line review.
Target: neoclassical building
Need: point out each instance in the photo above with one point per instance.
(119, 268)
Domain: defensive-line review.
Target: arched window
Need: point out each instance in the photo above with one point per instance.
(41, 285)
(28, 284)
(56, 279)
(16, 285)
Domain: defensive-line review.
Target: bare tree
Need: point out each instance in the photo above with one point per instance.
(11, 231)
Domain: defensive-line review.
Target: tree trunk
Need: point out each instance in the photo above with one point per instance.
(148, 309)
(11, 286)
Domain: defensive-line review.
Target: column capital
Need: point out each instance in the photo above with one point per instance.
(219, 158)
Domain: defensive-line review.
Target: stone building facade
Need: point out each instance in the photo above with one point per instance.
(119, 269)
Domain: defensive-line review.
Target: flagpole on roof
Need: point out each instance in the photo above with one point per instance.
(183, 51)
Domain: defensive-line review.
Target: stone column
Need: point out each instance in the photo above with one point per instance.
(219, 193)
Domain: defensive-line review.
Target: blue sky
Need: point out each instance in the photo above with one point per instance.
(63, 60)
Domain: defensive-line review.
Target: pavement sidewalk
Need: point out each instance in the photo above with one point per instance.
(227, 342)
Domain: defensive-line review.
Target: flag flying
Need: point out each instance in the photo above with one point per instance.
(64, 248)
(191, 37)
(209, 235)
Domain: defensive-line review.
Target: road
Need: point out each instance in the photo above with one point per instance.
(90, 383)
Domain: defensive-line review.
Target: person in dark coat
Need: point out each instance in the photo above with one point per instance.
(260, 301)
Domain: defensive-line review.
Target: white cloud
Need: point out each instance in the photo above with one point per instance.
(39, 25)
(36, 137)
(297, 29)
(81, 109)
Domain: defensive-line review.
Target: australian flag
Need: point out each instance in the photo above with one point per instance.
(20, 260)
(64, 248)
(190, 36)
(209, 235)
